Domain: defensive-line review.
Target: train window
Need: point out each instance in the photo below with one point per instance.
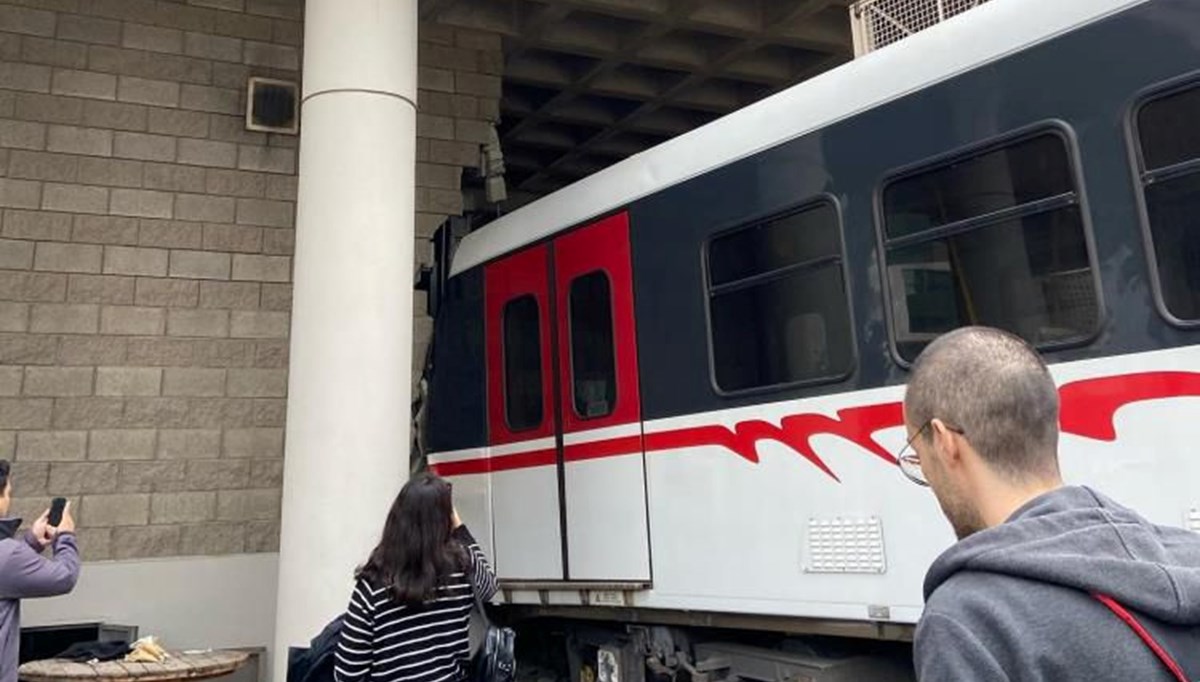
(993, 237)
(768, 247)
(998, 179)
(778, 308)
(1167, 129)
(1169, 141)
(593, 358)
(522, 364)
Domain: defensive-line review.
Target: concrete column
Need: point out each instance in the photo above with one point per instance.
(351, 342)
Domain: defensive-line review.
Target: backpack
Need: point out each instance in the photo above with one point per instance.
(315, 664)
(495, 661)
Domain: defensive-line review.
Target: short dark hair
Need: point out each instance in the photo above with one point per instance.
(5, 470)
(995, 387)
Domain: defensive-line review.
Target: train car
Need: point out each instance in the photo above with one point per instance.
(671, 392)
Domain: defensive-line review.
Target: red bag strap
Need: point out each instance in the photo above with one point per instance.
(1143, 634)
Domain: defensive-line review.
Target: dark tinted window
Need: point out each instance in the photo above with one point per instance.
(1169, 128)
(1169, 136)
(1001, 178)
(778, 303)
(593, 360)
(1026, 270)
(797, 238)
(522, 364)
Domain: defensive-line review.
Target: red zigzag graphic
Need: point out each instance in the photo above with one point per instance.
(1088, 408)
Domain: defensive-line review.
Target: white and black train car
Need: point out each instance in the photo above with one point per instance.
(674, 387)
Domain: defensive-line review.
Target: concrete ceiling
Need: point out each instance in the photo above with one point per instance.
(590, 82)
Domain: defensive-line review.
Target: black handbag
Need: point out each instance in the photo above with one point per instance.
(315, 663)
(495, 661)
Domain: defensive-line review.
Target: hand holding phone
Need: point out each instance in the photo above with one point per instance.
(56, 511)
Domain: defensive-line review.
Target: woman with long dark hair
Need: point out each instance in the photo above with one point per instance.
(409, 616)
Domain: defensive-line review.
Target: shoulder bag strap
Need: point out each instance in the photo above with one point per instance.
(1144, 635)
(470, 573)
(479, 606)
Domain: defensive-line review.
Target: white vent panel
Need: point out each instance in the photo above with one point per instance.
(845, 545)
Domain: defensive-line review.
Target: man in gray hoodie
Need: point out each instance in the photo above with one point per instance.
(25, 573)
(1019, 597)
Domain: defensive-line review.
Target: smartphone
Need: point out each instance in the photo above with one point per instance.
(56, 511)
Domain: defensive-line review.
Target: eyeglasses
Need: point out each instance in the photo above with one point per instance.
(910, 461)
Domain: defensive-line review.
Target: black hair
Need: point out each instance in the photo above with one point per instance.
(416, 553)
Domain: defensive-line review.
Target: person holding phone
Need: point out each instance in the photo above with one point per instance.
(409, 615)
(24, 572)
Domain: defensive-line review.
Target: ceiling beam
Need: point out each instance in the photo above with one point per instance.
(714, 68)
(676, 12)
(593, 88)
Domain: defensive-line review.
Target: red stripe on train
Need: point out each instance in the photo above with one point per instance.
(1088, 408)
(599, 449)
(522, 460)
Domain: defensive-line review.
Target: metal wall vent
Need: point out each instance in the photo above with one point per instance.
(273, 106)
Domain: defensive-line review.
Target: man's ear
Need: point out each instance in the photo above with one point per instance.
(949, 448)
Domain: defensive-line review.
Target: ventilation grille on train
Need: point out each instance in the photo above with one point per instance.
(878, 23)
(845, 545)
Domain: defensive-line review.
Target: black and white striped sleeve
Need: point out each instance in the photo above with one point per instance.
(483, 578)
(353, 660)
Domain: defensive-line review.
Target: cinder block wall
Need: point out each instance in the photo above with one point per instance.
(459, 81)
(145, 258)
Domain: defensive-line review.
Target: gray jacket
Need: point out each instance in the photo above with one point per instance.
(25, 573)
(1015, 602)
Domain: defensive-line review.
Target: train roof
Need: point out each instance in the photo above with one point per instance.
(974, 38)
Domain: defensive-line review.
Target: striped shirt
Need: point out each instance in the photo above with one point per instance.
(383, 640)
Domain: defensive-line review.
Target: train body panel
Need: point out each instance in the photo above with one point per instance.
(709, 419)
(815, 520)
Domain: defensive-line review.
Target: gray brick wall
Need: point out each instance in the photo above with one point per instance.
(145, 257)
(459, 86)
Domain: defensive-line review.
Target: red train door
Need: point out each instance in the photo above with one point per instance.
(564, 411)
(604, 477)
(522, 418)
